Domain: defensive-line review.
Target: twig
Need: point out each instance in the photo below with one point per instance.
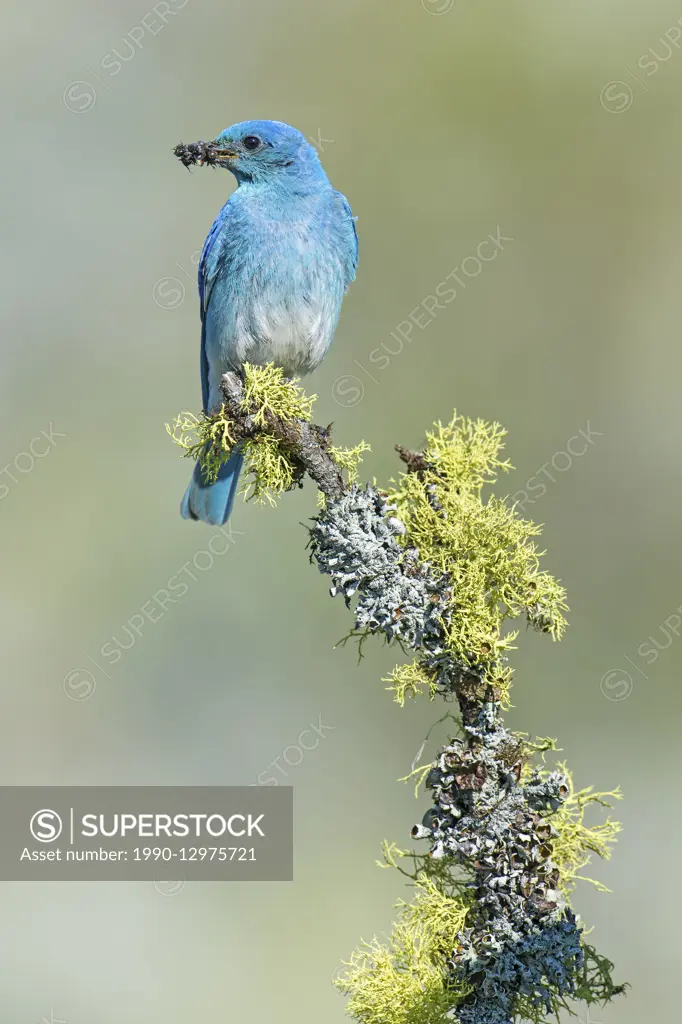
(415, 461)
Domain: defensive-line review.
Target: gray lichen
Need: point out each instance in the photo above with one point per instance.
(535, 965)
(353, 541)
(523, 939)
(546, 792)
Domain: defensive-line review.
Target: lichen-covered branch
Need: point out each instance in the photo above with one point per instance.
(270, 418)
(437, 567)
(309, 444)
(433, 565)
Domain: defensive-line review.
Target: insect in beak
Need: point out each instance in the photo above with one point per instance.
(203, 154)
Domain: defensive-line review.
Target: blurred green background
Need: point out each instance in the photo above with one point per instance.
(441, 122)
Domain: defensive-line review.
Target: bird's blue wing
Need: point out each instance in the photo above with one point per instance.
(203, 369)
(208, 270)
(351, 260)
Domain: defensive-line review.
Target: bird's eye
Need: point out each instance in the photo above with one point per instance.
(251, 142)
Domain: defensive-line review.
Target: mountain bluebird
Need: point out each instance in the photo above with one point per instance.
(272, 276)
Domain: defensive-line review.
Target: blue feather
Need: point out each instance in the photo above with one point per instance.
(212, 503)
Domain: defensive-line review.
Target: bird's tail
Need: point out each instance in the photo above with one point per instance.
(212, 502)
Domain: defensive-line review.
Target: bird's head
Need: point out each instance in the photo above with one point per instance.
(258, 151)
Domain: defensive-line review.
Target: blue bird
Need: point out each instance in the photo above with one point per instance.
(273, 272)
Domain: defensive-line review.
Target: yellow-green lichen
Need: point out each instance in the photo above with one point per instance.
(406, 980)
(270, 464)
(270, 471)
(482, 544)
(268, 391)
(411, 680)
(577, 842)
(407, 681)
(349, 459)
(206, 438)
